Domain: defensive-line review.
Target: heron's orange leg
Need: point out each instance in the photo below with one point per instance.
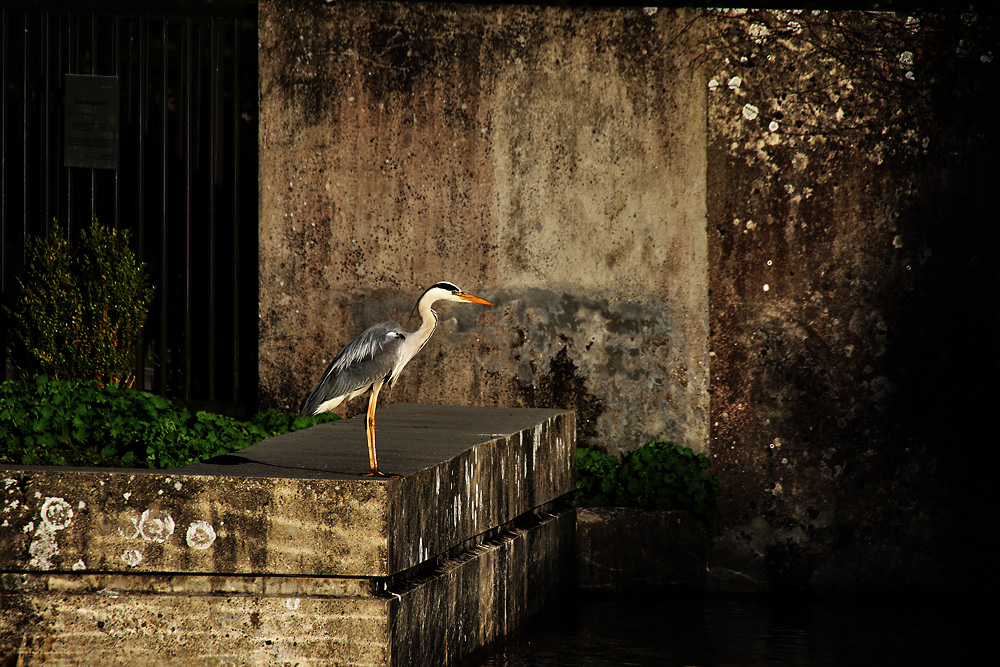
(370, 432)
(370, 429)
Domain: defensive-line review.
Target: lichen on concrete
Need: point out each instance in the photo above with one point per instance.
(830, 147)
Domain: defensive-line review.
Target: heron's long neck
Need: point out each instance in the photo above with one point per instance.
(428, 322)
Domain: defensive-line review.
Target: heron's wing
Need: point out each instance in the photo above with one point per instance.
(367, 359)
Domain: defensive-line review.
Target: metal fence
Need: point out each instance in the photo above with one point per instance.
(182, 175)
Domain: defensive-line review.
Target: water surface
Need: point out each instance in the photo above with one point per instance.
(746, 632)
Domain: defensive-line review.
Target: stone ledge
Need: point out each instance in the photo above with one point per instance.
(200, 620)
(289, 506)
(477, 598)
(303, 563)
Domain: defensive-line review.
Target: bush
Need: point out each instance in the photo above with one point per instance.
(658, 475)
(45, 421)
(596, 478)
(80, 308)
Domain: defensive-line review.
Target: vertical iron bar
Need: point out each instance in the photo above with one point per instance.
(4, 265)
(46, 120)
(213, 131)
(93, 71)
(186, 74)
(140, 110)
(194, 74)
(116, 56)
(165, 291)
(59, 173)
(24, 131)
(72, 64)
(236, 210)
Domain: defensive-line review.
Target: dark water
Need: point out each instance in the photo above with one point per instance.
(747, 631)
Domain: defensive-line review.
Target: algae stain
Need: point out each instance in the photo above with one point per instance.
(563, 386)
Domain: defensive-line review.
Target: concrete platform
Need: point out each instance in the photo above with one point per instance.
(282, 554)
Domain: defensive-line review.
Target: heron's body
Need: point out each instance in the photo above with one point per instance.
(371, 357)
(375, 358)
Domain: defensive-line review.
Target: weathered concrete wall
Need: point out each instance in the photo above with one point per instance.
(828, 176)
(63, 620)
(69, 619)
(551, 161)
(849, 160)
(476, 599)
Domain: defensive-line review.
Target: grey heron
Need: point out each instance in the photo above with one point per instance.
(375, 358)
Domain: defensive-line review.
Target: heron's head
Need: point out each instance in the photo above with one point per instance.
(445, 291)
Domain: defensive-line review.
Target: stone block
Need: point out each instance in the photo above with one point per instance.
(295, 504)
(201, 620)
(282, 554)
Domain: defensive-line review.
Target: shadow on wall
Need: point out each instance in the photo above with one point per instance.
(562, 386)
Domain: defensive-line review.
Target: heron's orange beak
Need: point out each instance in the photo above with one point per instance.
(465, 296)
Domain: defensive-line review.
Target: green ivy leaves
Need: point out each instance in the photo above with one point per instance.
(658, 475)
(45, 421)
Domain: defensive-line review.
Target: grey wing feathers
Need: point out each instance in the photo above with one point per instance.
(368, 358)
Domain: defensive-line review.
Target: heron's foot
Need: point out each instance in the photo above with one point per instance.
(375, 472)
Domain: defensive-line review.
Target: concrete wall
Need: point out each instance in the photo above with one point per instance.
(551, 161)
(793, 201)
(854, 303)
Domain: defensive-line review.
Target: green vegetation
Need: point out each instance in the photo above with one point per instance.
(45, 421)
(658, 475)
(81, 307)
(73, 330)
